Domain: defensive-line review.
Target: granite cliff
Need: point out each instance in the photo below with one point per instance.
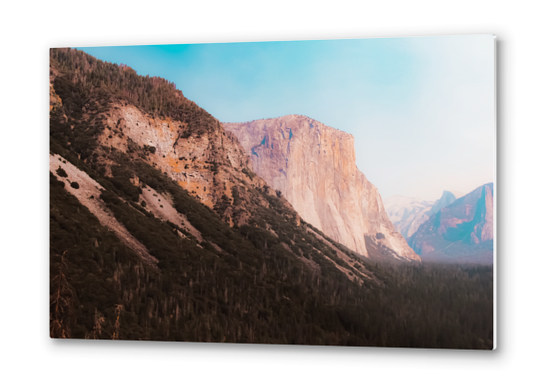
(314, 167)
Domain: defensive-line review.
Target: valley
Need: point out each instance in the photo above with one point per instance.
(166, 224)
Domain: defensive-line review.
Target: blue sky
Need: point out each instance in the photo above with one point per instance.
(420, 108)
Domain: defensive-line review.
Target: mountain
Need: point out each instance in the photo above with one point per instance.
(314, 167)
(459, 232)
(446, 199)
(408, 213)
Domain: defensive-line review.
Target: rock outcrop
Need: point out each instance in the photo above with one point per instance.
(314, 167)
(193, 160)
(459, 232)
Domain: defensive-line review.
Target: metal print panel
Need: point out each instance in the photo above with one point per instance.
(333, 192)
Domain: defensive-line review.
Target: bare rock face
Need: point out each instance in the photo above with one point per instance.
(193, 160)
(314, 167)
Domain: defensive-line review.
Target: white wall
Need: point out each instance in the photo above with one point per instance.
(28, 31)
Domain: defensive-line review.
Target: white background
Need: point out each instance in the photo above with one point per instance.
(28, 30)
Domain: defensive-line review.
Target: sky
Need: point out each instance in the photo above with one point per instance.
(421, 109)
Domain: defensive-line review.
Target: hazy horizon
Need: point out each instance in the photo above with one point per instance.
(421, 109)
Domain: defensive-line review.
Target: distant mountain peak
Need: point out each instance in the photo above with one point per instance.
(407, 213)
(448, 194)
(461, 231)
(446, 199)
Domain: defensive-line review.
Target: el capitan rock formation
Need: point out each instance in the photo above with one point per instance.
(314, 167)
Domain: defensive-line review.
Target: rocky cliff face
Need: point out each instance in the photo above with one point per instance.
(459, 232)
(211, 165)
(314, 167)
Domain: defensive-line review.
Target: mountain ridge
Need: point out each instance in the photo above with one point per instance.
(459, 232)
(408, 213)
